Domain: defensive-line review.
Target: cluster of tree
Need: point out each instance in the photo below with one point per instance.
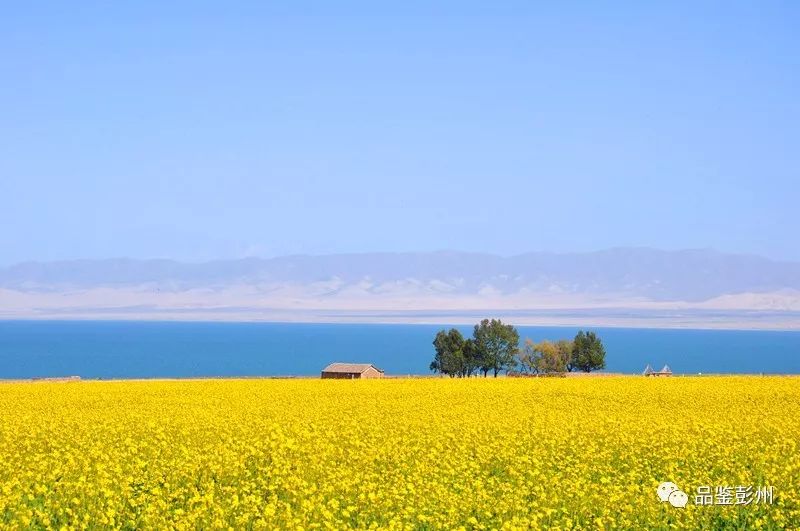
(494, 347)
(584, 353)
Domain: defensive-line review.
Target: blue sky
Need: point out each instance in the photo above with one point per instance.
(199, 131)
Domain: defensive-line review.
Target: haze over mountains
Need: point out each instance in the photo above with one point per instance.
(406, 286)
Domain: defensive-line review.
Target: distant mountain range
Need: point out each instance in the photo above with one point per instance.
(441, 281)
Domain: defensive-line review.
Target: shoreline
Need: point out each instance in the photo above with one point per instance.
(688, 322)
(392, 377)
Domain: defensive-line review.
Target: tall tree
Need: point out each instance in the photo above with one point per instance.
(496, 345)
(471, 358)
(449, 357)
(588, 352)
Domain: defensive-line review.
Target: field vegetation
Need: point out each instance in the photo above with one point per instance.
(435, 453)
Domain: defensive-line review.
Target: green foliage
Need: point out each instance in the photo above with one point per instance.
(449, 358)
(470, 358)
(588, 352)
(496, 346)
(455, 356)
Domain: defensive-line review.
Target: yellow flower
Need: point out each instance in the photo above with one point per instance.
(569, 453)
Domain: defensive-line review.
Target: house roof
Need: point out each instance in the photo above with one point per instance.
(666, 369)
(350, 367)
(648, 370)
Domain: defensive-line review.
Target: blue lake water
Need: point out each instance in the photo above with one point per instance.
(102, 349)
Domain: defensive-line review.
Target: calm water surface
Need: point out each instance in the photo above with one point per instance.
(102, 349)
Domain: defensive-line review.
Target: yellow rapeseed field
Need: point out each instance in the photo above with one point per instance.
(397, 454)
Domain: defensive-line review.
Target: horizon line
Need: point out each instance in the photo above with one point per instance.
(708, 249)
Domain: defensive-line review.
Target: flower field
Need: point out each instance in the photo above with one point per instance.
(399, 454)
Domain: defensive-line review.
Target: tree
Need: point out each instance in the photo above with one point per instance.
(496, 346)
(588, 352)
(565, 352)
(528, 358)
(449, 358)
(553, 357)
(545, 357)
(471, 362)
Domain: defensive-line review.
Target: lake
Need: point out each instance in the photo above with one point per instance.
(126, 349)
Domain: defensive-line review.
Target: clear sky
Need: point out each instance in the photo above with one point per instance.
(220, 130)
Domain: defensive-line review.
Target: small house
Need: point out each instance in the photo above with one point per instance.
(351, 371)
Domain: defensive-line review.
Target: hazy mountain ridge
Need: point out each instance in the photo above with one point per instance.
(689, 275)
